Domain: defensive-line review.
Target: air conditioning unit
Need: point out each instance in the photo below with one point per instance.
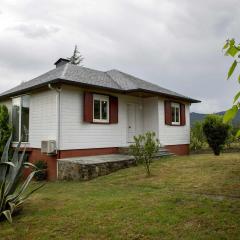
(49, 147)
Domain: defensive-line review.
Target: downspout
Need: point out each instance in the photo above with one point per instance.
(58, 99)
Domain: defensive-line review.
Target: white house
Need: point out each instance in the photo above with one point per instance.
(90, 112)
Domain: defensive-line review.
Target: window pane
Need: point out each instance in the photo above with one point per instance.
(96, 109)
(25, 118)
(173, 114)
(104, 110)
(177, 114)
(15, 118)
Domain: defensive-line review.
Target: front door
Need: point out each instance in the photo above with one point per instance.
(131, 121)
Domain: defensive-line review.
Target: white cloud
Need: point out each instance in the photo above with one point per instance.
(35, 30)
(177, 46)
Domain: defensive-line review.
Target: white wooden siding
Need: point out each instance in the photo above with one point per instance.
(43, 117)
(77, 134)
(154, 120)
(173, 135)
(151, 116)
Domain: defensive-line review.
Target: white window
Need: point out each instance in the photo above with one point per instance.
(175, 111)
(20, 118)
(100, 108)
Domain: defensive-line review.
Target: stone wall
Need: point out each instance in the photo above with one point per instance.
(74, 170)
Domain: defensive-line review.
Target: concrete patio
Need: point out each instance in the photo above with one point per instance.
(86, 168)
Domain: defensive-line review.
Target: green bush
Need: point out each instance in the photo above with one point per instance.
(12, 188)
(41, 175)
(231, 137)
(197, 137)
(216, 132)
(5, 128)
(144, 148)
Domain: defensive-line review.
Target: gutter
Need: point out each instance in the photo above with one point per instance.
(58, 108)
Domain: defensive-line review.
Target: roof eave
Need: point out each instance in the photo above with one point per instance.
(191, 100)
(19, 92)
(55, 81)
(68, 82)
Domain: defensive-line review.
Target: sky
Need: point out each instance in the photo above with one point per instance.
(175, 44)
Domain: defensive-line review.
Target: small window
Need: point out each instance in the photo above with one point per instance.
(100, 108)
(175, 111)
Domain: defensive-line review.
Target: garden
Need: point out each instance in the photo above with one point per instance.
(192, 197)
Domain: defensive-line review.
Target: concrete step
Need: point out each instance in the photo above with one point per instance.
(123, 150)
(163, 152)
(162, 149)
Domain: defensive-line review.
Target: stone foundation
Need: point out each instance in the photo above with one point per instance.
(86, 168)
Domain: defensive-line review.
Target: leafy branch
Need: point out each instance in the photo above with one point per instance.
(233, 50)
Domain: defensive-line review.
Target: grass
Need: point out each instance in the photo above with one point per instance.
(196, 197)
(232, 147)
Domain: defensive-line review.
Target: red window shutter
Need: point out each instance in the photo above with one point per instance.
(182, 115)
(88, 107)
(113, 109)
(168, 115)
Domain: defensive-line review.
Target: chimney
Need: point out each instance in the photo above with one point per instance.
(61, 61)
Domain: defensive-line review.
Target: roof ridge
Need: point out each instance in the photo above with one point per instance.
(130, 75)
(86, 68)
(153, 84)
(64, 70)
(113, 79)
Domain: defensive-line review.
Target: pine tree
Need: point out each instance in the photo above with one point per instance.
(76, 58)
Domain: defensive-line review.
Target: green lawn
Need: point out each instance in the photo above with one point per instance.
(196, 197)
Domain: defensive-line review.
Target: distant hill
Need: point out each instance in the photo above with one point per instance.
(200, 116)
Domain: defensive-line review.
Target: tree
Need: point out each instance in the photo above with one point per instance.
(233, 50)
(197, 136)
(5, 128)
(144, 148)
(216, 132)
(76, 58)
(232, 138)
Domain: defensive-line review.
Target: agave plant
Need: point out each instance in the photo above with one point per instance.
(12, 188)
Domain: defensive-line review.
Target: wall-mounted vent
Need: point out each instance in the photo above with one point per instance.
(49, 147)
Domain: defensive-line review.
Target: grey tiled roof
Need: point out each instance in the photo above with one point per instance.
(112, 79)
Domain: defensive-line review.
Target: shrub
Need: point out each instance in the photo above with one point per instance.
(231, 137)
(41, 175)
(197, 136)
(216, 132)
(144, 148)
(12, 188)
(5, 128)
